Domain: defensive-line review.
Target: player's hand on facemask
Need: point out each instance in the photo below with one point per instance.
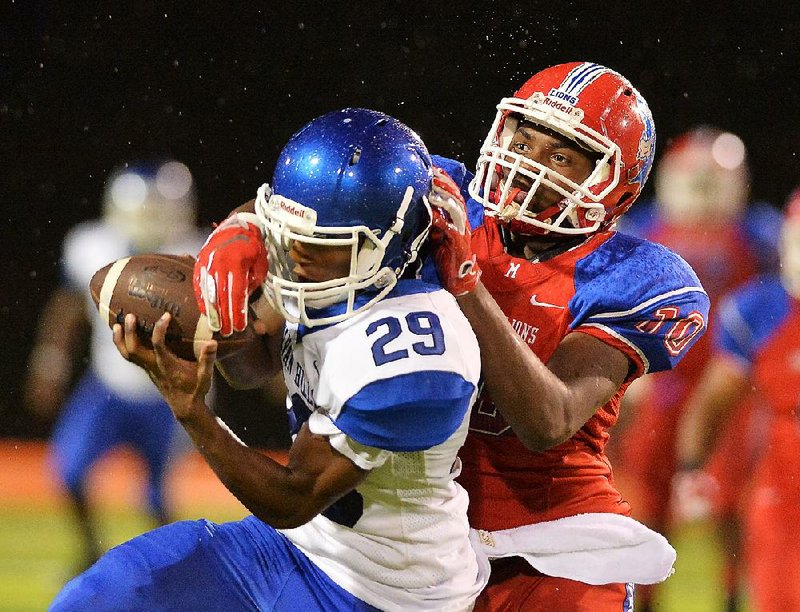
(231, 265)
(450, 234)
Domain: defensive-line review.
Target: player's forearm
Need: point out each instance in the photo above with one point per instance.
(61, 324)
(256, 365)
(530, 397)
(265, 487)
(53, 357)
(253, 367)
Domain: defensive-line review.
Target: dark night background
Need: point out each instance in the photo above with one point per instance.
(86, 88)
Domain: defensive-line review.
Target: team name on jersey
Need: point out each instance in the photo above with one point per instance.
(524, 330)
(293, 370)
(303, 384)
(287, 346)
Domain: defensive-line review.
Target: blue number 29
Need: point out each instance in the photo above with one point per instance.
(420, 323)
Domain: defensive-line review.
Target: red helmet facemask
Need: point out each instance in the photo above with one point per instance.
(602, 113)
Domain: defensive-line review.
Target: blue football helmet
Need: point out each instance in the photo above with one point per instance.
(352, 177)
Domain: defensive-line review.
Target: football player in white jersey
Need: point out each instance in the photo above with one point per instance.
(147, 207)
(381, 369)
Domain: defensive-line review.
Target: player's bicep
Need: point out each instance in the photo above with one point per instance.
(591, 370)
(320, 474)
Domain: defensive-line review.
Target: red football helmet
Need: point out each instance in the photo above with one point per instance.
(703, 178)
(790, 244)
(603, 113)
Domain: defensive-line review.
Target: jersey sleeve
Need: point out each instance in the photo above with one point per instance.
(642, 299)
(462, 177)
(365, 457)
(409, 412)
(403, 378)
(748, 316)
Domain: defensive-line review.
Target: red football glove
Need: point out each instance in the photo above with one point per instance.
(231, 265)
(455, 261)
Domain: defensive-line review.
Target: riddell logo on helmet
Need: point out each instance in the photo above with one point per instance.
(291, 208)
(564, 108)
(562, 95)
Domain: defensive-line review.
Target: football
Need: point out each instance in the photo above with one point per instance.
(148, 286)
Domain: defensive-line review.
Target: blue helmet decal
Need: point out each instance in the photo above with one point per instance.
(647, 144)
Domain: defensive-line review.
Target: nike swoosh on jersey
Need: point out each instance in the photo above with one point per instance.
(535, 302)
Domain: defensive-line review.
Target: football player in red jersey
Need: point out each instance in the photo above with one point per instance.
(568, 313)
(701, 212)
(757, 344)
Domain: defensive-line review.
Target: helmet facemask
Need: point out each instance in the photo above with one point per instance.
(581, 209)
(304, 302)
(703, 178)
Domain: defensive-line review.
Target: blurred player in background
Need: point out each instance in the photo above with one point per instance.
(701, 212)
(757, 344)
(382, 370)
(146, 208)
(568, 313)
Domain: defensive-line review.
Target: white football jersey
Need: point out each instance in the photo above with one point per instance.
(88, 247)
(392, 389)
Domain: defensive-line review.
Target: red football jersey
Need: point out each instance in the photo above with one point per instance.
(632, 294)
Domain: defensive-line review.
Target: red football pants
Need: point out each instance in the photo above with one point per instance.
(515, 586)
